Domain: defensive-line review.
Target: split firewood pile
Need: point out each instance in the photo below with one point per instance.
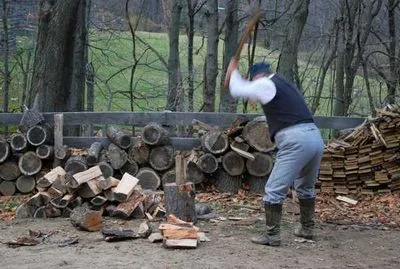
(366, 160)
(238, 156)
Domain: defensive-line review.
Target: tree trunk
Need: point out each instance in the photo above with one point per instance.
(5, 47)
(60, 59)
(211, 70)
(228, 103)
(175, 95)
(290, 46)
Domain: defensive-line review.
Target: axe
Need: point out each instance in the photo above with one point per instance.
(245, 36)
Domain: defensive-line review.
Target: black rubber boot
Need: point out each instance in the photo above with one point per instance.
(307, 209)
(272, 235)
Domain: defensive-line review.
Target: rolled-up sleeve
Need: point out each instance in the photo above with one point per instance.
(262, 89)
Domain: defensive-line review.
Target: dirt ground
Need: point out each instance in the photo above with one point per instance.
(336, 246)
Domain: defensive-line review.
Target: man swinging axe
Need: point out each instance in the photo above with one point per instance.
(298, 140)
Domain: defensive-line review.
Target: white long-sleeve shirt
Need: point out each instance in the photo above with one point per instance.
(262, 89)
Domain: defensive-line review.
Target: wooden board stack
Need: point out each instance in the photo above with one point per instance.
(365, 161)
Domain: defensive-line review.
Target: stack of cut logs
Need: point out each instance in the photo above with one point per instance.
(366, 160)
(232, 157)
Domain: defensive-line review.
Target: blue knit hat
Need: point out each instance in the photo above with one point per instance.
(258, 68)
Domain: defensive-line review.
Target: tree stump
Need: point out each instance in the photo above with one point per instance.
(94, 153)
(29, 163)
(155, 135)
(45, 152)
(215, 142)
(162, 157)
(130, 168)
(118, 137)
(75, 164)
(227, 183)
(261, 166)
(194, 173)
(148, 179)
(139, 152)
(117, 156)
(257, 184)
(4, 150)
(25, 184)
(18, 142)
(38, 135)
(233, 163)
(256, 134)
(7, 188)
(9, 171)
(208, 163)
(180, 201)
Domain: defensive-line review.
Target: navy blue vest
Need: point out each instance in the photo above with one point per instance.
(287, 108)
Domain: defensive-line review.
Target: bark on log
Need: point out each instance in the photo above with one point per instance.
(180, 201)
(94, 153)
(89, 189)
(31, 117)
(154, 134)
(162, 157)
(106, 169)
(130, 168)
(7, 188)
(86, 219)
(261, 166)
(240, 145)
(256, 134)
(107, 183)
(18, 142)
(25, 184)
(208, 163)
(233, 163)
(29, 163)
(4, 150)
(38, 135)
(227, 183)
(139, 152)
(45, 152)
(9, 171)
(194, 173)
(118, 137)
(125, 209)
(215, 142)
(117, 156)
(148, 179)
(257, 184)
(125, 187)
(75, 164)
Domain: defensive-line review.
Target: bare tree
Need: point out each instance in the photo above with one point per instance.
(211, 63)
(175, 95)
(6, 71)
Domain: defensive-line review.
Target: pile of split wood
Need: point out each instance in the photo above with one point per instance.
(366, 160)
(240, 155)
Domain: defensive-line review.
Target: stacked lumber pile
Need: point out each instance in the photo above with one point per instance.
(90, 190)
(240, 155)
(366, 160)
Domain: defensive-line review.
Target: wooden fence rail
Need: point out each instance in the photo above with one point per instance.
(140, 119)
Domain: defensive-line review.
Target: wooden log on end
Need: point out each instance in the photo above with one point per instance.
(29, 163)
(106, 169)
(9, 171)
(180, 201)
(148, 179)
(4, 150)
(154, 134)
(261, 166)
(130, 167)
(161, 158)
(18, 142)
(194, 173)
